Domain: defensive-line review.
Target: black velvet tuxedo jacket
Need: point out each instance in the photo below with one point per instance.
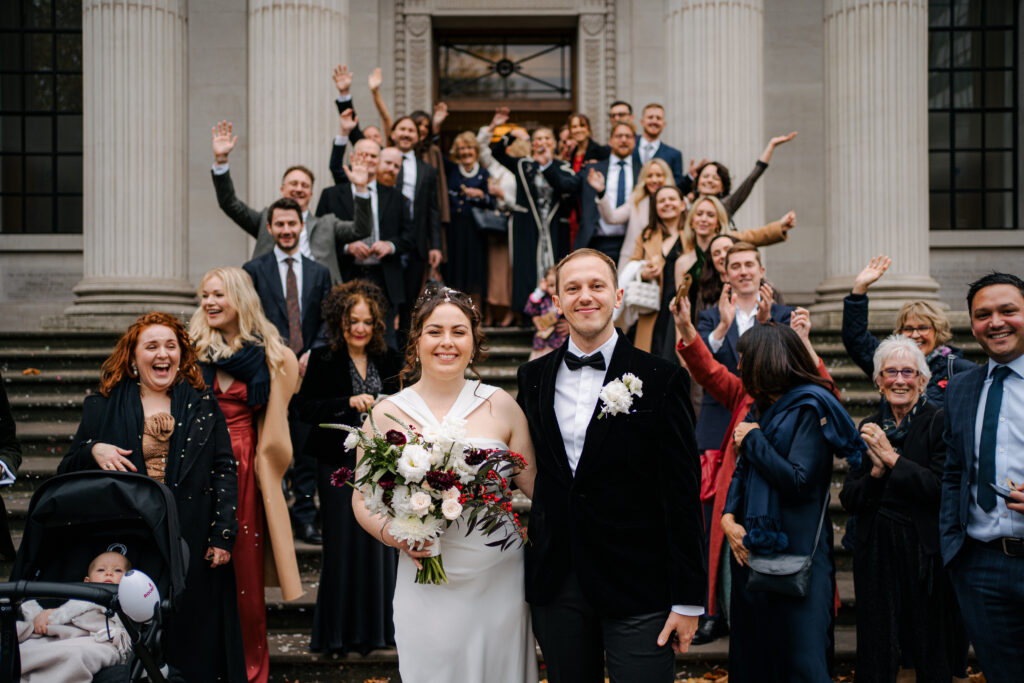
(395, 223)
(316, 284)
(629, 522)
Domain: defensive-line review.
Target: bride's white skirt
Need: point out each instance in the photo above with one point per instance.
(475, 628)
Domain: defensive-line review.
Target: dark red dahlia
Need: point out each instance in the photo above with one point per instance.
(441, 481)
(477, 455)
(341, 476)
(395, 437)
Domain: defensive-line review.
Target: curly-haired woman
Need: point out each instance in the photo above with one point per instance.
(153, 414)
(343, 380)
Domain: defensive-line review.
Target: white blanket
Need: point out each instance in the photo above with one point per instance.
(80, 641)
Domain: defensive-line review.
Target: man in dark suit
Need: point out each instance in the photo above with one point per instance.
(620, 172)
(614, 576)
(649, 146)
(291, 288)
(981, 529)
(378, 257)
(321, 238)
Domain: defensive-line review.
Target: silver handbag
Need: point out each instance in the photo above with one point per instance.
(643, 297)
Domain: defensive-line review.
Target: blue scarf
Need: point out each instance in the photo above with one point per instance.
(778, 424)
(248, 364)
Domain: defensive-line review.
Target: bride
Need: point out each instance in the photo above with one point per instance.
(477, 626)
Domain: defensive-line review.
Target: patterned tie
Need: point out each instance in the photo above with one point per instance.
(989, 427)
(620, 192)
(648, 151)
(292, 304)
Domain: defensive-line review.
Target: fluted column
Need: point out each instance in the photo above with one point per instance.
(293, 46)
(135, 200)
(876, 135)
(715, 94)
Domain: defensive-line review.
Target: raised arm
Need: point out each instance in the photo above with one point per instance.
(246, 217)
(724, 387)
(343, 82)
(857, 338)
(374, 81)
(772, 233)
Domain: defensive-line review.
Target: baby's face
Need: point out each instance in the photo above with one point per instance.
(107, 568)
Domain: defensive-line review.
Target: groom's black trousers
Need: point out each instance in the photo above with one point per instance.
(576, 640)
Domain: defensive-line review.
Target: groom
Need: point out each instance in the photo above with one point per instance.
(615, 568)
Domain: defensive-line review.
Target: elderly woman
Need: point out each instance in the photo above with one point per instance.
(467, 189)
(154, 415)
(921, 321)
(343, 381)
(906, 614)
(253, 375)
(778, 503)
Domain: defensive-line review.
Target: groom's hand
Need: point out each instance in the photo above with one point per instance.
(680, 626)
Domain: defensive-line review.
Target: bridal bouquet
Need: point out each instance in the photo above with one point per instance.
(424, 482)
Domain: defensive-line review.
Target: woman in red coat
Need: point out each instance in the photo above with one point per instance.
(727, 389)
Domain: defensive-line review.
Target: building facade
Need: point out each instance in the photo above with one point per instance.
(907, 112)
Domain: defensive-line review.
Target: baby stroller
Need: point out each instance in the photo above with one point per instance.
(71, 519)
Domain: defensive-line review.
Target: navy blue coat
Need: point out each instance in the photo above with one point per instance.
(714, 417)
(671, 156)
(316, 283)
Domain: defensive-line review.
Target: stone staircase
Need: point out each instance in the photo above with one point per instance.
(47, 375)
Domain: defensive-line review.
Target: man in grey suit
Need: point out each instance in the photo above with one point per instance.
(322, 238)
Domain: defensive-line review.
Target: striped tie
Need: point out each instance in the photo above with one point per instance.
(292, 304)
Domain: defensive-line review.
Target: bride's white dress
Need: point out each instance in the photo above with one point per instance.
(477, 626)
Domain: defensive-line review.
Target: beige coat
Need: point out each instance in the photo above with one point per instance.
(650, 250)
(273, 455)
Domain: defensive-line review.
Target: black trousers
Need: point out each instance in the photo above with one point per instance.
(609, 245)
(303, 471)
(414, 269)
(578, 642)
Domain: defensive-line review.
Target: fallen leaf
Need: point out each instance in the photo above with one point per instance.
(30, 371)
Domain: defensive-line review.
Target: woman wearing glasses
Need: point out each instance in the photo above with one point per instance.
(921, 321)
(907, 616)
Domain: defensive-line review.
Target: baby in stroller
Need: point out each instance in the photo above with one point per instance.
(73, 642)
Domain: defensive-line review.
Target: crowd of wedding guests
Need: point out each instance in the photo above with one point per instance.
(316, 326)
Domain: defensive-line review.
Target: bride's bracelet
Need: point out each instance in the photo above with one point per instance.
(381, 532)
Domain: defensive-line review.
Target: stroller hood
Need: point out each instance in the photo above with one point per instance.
(74, 517)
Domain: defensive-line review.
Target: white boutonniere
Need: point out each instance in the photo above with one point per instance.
(617, 396)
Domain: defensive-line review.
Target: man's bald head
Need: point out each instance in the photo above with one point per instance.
(368, 152)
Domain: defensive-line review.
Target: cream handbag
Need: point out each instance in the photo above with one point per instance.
(642, 296)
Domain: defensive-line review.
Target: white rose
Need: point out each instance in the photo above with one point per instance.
(451, 509)
(351, 441)
(413, 463)
(453, 492)
(419, 503)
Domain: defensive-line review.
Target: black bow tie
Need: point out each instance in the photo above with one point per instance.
(574, 362)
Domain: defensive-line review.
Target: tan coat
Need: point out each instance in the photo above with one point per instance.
(273, 455)
(650, 250)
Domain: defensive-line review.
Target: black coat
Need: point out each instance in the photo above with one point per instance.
(629, 522)
(316, 284)
(575, 184)
(326, 391)
(396, 226)
(10, 456)
(914, 484)
(205, 637)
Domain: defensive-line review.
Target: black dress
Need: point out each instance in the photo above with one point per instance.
(204, 637)
(357, 572)
(663, 338)
(466, 269)
(907, 614)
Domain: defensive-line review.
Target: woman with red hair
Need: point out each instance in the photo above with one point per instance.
(154, 415)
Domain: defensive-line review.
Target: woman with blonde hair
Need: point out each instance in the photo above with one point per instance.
(467, 190)
(253, 375)
(636, 212)
(922, 321)
(708, 218)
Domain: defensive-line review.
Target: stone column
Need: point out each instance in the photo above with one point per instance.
(714, 99)
(596, 63)
(293, 47)
(135, 202)
(876, 147)
(414, 57)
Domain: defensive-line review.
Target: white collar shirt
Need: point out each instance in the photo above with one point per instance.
(604, 228)
(409, 177)
(304, 248)
(282, 268)
(576, 394)
(744, 321)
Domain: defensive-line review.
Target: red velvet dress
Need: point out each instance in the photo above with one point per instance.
(248, 553)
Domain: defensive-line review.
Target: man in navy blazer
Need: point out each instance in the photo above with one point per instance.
(745, 301)
(270, 276)
(649, 146)
(620, 171)
(981, 529)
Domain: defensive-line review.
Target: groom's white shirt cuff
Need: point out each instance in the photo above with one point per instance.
(688, 610)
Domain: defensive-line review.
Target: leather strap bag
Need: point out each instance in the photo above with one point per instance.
(785, 574)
